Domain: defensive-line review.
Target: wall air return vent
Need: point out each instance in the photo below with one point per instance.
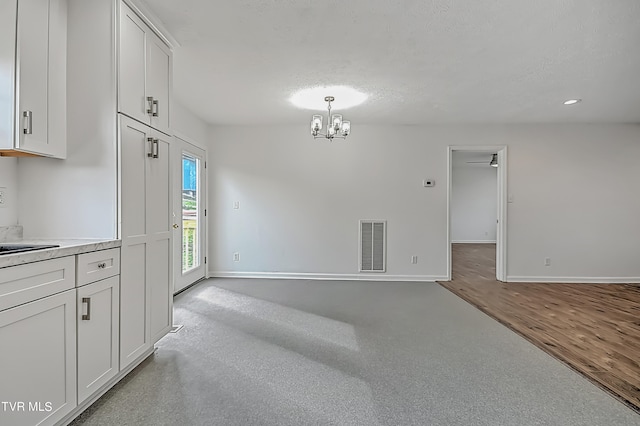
(373, 246)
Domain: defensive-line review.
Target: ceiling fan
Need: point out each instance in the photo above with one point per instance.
(493, 162)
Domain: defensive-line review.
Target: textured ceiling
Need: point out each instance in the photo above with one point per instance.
(421, 61)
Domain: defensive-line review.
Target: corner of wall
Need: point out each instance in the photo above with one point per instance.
(189, 126)
(9, 189)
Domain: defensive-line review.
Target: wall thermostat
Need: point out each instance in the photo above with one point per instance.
(428, 182)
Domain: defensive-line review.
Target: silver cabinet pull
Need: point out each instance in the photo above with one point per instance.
(150, 109)
(150, 153)
(154, 107)
(156, 148)
(28, 116)
(87, 300)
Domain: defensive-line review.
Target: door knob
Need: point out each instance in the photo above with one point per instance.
(175, 226)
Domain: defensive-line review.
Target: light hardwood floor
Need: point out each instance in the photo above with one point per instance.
(594, 328)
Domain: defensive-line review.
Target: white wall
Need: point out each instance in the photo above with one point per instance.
(474, 200)
(9, 181)
(188, 126)
(574, 189)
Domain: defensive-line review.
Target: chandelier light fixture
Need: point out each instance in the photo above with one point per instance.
(336, 126)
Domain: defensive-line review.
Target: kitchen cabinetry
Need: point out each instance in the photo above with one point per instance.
(33, 78)
(98, 301)
(145, 226)
(144, 73)
(38, 355)
(59, 334)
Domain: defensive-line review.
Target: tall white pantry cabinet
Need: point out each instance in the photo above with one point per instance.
(144, 87)
(119, 106)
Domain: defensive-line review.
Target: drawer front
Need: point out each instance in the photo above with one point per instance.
(98, 265)
(24, 283)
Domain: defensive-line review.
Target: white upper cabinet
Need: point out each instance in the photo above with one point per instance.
(33, 77)
(144, 78)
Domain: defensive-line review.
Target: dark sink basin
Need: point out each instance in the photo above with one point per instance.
(17, 248)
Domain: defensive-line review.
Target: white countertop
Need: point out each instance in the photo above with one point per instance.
(67, 248)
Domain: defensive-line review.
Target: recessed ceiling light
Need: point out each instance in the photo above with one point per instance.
(572, 101)
(313, 97)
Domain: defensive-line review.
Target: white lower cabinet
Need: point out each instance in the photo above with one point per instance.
(38, 361)
(59, 336)
(98, 335)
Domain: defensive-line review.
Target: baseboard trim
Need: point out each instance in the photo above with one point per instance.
(315, 276)
(473, 241)
(574, 280)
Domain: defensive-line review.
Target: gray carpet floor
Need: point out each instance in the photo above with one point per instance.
(290, 352)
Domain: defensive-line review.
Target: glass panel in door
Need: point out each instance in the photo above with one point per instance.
(190, 210)
(189, 214)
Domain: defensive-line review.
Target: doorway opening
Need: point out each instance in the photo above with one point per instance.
(476, 206)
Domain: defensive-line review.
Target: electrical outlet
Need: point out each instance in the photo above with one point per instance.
(236, 257)
(547, 261)
(414, 260)
(3, 197)
(236, 205)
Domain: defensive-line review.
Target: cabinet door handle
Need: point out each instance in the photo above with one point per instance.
(28, 116)
(154, 107)
(150, 153)
(87, 300)
(150, 109)
(156, 148)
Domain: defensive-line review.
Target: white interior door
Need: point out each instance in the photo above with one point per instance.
(189, 214)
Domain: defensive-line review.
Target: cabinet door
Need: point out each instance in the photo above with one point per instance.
(145, 225)
(160, 239)
(98, 335)
(134, 314)
(38, 360)
(159, 65)
(33, 59)
(8, 13)
(132, 100)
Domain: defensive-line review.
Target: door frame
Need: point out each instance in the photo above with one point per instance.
(181, 144)
(502, 199)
